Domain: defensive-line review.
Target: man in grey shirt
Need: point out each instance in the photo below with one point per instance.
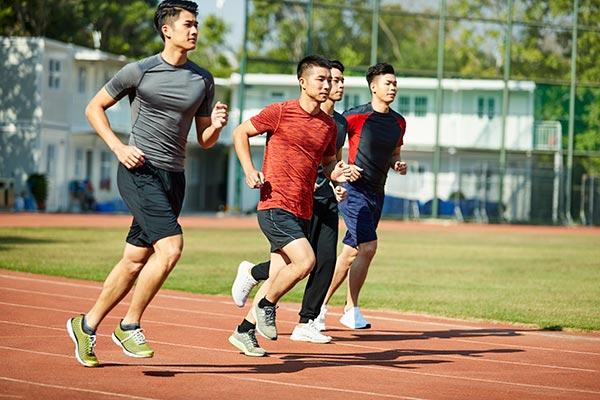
(166, 92)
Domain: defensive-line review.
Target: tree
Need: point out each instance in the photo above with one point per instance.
(212, 52)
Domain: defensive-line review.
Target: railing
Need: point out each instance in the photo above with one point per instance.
(547, 135)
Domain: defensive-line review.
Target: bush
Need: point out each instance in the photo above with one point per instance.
(38, 185)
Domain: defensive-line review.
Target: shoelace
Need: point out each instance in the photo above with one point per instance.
(251, 338)
(314, 331)
(270, 315)
(138, 337)
(91, 345)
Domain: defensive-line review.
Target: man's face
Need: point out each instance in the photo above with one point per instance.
(316, 83)
(337, 85)
(384, 87)
(182, 32)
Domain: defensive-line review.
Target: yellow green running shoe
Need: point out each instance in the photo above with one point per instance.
(84, 343)
(133, 342)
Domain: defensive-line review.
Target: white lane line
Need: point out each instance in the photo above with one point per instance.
(461, 325)
(60, 387)
(378, 368)
(216, 374)
(480, 342)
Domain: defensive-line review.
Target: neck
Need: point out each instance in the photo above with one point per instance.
(173, 55)
(328, 106)
(309, 105)
(380, 106)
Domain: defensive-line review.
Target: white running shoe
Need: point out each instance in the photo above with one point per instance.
(309, 333)
(353, 319)
(320, 320)
(243, 284)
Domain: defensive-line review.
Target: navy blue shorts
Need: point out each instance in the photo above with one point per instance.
(361, 211)
(281, 227)
(154, 197)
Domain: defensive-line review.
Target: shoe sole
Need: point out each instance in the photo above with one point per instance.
(127, 352)
(308, 340)
(74, 339)
(257, 327)
(240, 346)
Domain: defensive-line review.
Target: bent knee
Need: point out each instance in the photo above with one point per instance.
(305, 267)
(170, 256)
(368, 249)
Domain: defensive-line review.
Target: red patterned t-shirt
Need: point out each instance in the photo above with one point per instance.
(296, 143)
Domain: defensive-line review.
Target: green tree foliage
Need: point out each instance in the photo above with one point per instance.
(541, 45)
(212, 52)
(126, 25)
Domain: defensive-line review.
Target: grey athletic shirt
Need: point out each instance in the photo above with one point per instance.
(164, 100)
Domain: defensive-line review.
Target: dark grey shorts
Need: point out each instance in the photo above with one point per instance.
(154, 197)
(281, 227)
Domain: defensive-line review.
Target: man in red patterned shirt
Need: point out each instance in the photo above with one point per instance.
(300, 136)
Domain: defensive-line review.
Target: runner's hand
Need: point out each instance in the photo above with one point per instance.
(219, 115)
(400, 167)
(130, 156)
(255, 179)
(340, 193)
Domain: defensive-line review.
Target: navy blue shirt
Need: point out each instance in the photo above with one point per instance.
(372, 138)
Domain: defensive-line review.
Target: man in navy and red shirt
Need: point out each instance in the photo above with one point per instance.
(375, 135)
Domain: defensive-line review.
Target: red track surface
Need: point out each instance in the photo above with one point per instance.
(402, 357)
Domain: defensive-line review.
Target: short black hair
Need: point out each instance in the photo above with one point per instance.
(312, 61)
(337, 65)
(379, 69)
(169, 10)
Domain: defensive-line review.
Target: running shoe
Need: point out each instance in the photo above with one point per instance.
(84, 343)
(133, 342)
(309, 333)
(247, 343)
(243, 284)
(353, 319)
(320, 320)
(265, 321)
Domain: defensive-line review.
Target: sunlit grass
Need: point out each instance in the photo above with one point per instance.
(547, 280)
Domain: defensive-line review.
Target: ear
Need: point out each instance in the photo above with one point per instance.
(166, 31)
(302, 83)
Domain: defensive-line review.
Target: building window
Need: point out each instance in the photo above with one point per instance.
(404, 105)
(82, 80)
(79, 164)
(351, 101)
(486, 107)
(54, 73)
(491, 109)
(420, 106)
(51, 160)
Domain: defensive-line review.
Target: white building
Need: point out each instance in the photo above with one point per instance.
(45, 86)
(470, 137)
(44, 89)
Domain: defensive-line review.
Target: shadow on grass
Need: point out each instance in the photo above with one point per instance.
(6, 241)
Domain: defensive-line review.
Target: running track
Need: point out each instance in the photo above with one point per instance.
(402, 357)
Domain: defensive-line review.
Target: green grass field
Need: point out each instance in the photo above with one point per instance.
(549, 280)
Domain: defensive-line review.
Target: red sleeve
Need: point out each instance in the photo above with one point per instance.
(402, 123)
(268, 119)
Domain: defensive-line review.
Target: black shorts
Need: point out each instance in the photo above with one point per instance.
(154, 197)
(281, 227)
